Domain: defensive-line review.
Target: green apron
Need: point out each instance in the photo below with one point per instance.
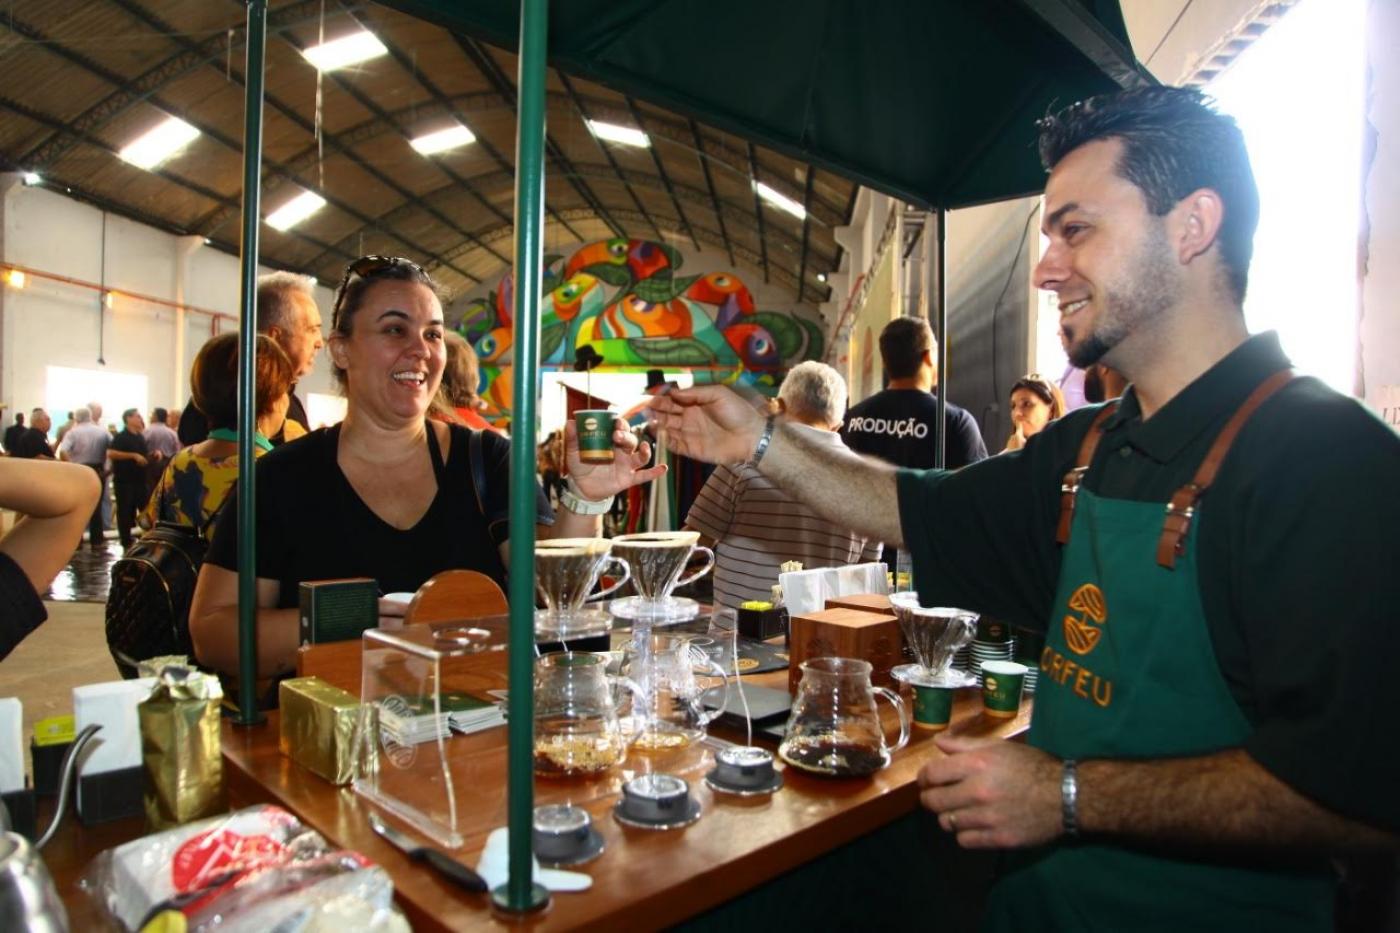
(1128, 671)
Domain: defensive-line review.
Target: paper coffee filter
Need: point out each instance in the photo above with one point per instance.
(659, 539)
(574, 546)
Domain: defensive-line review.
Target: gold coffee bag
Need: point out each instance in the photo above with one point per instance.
(180, 748)
(318, 727)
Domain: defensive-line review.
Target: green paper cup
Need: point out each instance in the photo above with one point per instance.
(933, 707)
(1001, 688)
(595, 431)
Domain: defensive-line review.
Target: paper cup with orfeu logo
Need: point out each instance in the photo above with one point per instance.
(1001, 688)
(595, 431)
(933, 707)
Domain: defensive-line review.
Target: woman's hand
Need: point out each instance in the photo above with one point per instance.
(629, 467)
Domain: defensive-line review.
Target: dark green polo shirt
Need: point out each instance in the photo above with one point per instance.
(1298, 544)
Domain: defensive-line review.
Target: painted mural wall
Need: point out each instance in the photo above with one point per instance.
(641, 305)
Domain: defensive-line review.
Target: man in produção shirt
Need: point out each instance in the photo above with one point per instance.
(1198, 749)
(897, 424)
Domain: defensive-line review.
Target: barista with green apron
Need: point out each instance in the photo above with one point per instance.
(1128, 671)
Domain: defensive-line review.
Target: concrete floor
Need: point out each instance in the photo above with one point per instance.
(68, 650)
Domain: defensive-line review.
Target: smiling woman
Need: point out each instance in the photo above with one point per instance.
(387, 493)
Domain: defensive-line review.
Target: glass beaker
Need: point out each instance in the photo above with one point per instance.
(577, 729)
(834, 729)
(672, 714)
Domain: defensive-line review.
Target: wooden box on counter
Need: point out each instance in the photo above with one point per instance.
(846, 633)
(866, 602)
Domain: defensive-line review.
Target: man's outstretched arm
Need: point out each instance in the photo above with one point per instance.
(716, 425)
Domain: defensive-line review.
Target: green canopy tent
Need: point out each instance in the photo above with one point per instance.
(930, 101)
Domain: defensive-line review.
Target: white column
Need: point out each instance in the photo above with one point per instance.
(185, 247)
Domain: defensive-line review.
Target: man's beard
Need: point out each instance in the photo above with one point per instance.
(1150, 286)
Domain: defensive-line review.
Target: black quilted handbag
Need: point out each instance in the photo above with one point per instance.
(148, 606)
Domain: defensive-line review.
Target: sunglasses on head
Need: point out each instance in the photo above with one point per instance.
(367, 267)
(1037, 383)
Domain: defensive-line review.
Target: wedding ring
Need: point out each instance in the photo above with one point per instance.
(953, 822)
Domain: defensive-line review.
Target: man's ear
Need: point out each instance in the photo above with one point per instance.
(1197, 219)
(781, 405)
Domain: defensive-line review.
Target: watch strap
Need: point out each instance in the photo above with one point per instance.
(1069, 797)
(571, 499)
(764, 440)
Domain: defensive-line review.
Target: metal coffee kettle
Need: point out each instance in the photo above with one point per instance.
(28, 899)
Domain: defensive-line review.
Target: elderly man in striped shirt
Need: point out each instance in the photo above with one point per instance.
(755, 527)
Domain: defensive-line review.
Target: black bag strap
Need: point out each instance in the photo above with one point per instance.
(435, 454)
(478, 465)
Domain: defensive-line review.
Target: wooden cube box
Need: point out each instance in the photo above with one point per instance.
(866, 602)
(846, 633)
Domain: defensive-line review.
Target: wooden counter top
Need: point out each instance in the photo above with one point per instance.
(644, 879)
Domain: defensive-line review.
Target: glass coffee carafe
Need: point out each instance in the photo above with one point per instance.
(834, 729)
(672, 714)
(577, 729)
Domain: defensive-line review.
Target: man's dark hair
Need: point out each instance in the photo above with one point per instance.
(903, 343)
(129, 412)
(1174, 142)
(160, 414)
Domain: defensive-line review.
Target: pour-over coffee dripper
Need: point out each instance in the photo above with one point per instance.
(566, 571)
(657, 559)
(934, 634)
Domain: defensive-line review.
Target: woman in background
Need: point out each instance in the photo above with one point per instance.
(198, 478)
(1035, 402)
(457, 400)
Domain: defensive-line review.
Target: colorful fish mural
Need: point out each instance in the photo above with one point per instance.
(626, 299)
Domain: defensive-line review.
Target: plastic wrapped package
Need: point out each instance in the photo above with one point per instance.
(257, 869)
(337, 892)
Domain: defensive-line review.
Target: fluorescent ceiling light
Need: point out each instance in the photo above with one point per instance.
(781, 201)
(347, 50)
(442, 140)
(626, 135)
(151, 149)
(295, 211)
(32, 178)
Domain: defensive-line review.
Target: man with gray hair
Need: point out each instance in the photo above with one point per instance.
(87, 444)
(755, 527)
(287, 312)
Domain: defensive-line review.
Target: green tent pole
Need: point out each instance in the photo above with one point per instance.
(247, 379)
(519, 893)
(940, 327)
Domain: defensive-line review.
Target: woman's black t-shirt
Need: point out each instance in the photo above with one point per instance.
(313, 526)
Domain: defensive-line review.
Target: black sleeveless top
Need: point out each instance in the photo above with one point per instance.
(313, 526)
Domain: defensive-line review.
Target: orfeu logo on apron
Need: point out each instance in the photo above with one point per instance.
(1082, 631)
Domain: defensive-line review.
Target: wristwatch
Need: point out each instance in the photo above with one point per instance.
(1069, 797)
(571, 498)
(763, 441)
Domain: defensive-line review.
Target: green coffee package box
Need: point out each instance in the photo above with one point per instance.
(338, 610)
